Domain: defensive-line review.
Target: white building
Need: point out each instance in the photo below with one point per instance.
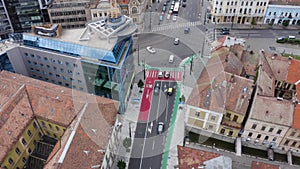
(276, 14)
(238, 11)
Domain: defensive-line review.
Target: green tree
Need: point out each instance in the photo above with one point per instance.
(121, 164)
(253, 22)
(140, 83)
(127, 142)
(286, 22)
(182, 98)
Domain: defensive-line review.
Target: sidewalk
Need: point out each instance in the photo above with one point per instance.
(128, 120)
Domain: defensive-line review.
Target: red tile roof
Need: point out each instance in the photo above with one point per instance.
(293, 77)
(189, 158)
(23, 98)
(261, 165)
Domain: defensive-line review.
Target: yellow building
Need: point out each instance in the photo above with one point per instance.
(38, 119)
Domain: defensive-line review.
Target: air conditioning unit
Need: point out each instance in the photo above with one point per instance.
(265, 142)
(256, 141)
(248, 139)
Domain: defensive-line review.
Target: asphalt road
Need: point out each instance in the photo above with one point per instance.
(148, 145)
(159, 41)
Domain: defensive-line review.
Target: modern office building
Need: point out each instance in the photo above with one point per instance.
(5, 24)
(96, 59)
(49, 126)
(70, 14)
(23, 14)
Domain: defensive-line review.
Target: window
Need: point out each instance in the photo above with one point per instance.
(34, 125)
(50, 126)
(29, 133)
(263, 128)
(75, 65)
(57, 75)
(292, 133)
(250, 134)
(46, 59)
(230, 133)
(11, 161)
(134, 10)
(267, 137)
(70, 72)
(26, 54)
(43, 124)
(210, 127)
(67, 63)
(54, 135)
(228, 115)
(62, 70)
(29, 61)
(24, 160)
(77, 73)
(258, 136)
(294, 144)
(271, 129)
(274, 139)
(35, 63)
(50, 73)
(18, 151)
(24, 142)
(79, 81)
(286, 142)
(57, 128)
(32, 55)
(253, 126)
(60, 62)
(235, 117)
(213, 118)
(52, 60)
(197, 114)
(279, 131)
(222, 131)
(29, 151)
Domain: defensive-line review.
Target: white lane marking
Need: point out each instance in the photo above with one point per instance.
(153, 144)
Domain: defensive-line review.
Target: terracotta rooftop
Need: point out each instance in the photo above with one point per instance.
(284, 2)
(269, 109)
(250, 61)
(278, 64)
(261, 165)
(189, 158)
(26, 98)
(123, 2)
(266, 79)
(15, 115)
(209, 92)
(294, 77)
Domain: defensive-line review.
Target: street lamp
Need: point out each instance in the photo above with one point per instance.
(144, 70)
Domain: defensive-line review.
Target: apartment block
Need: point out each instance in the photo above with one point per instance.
(238, 12)
(70, 14)
(49, 126)
(219, 102)
(272, 112)
(277, 13)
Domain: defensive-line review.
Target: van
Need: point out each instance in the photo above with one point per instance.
(176, 40)
(160, 74)
(170, 91)
(292, 37)
(171, 59)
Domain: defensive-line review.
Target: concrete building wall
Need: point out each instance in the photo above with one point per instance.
(264, 133)
(291, 140)
(203, 119)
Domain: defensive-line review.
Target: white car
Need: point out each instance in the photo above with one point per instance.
(169, 16)
(174, 18)
(150, 49)
(160, 127)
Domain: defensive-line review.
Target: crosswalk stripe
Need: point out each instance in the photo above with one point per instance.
(174, 26)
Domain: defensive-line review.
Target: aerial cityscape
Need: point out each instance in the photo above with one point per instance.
(150, 84)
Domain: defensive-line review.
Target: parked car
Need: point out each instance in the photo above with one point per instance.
(173, 2)
(174, 18)
(160, 127)
(167, 74)
(168, 16)
(176, 41)
(156, 88)
(164, 9)
(187, 30)
(160, 74)
(172, 7)
(224, 31)
(150, 49)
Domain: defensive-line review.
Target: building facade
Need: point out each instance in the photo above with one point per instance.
(97, 61)
(24, 14)
(70, 14)
(238, 12)
(276, 14)
(5, 25)
(43, 120)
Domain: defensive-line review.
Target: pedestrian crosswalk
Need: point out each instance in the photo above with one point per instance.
(175, 25)
(174, 75)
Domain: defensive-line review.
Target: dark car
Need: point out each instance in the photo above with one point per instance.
(156, 88)
(224, 29)
(187, 30)
(225, 33)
